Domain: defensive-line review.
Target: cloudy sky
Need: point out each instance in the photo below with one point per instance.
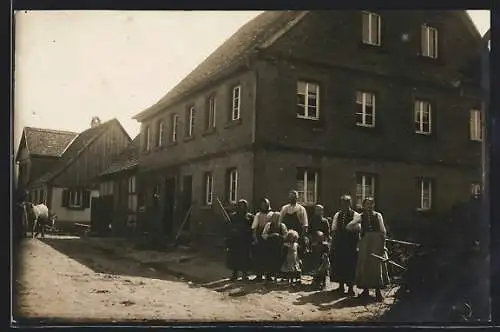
(72, 65)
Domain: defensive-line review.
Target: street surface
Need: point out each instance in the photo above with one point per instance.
(82, 281)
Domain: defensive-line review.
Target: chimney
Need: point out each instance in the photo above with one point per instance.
(95, 122)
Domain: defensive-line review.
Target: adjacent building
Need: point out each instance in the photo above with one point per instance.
(371, 103)
(67, 184)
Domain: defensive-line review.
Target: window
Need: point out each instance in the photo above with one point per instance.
(159, 133)
(475, 189)
(106, 188)
(190, 121)
(146, 139)
(132, 195)
(236, 103)
(425, 194)
(174, 119)
(75, 198)
(211, 113)
(429, 41)
(365, 187)
(475, 125)
(371, 29)
(307, 100)
(307, 186)
(232, 194)
(365, 110)
(209, 187)
(423, 117)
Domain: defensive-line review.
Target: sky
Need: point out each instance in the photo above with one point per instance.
(73, 65)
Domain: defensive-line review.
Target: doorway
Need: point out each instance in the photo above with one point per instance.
(187, 194)
(169, 204)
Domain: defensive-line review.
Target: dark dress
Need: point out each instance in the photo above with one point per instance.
(239, 241)
(259, 249)
(344, 250)
(318, 223)
(273, 248)
(292, 221)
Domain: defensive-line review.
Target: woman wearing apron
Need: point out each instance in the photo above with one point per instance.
(294, 216)
(258, 246)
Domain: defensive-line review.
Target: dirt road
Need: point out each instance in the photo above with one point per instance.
(100, 286)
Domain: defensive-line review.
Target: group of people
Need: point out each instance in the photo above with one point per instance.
(350, 249)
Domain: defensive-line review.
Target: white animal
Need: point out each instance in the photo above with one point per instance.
(39, 214)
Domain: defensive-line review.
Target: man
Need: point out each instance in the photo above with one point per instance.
(294, 216)
(344, 247)
(239, 241)
(371, 273)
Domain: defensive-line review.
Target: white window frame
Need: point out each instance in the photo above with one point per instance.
(233, 186)
(429, 35)
(306, 105)
(75, 198)
(475, 125)
(175, 122)
(132, 203)
(160, 133)
(148, 139)
(303, 197)
(365, 183)
(209, 188)
(212, 112)
(419, 111)
(425, 200)
(190, 124)
(475, 188)
(236, 103)
(367, 19)
(363, 103)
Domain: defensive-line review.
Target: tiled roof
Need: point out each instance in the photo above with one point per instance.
(126, 160)
(236, 49)
(47, 142)
(79, 144)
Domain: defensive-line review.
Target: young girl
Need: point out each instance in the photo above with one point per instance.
(291, 267)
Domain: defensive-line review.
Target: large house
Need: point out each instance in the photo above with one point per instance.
(67, 185)
(371, 103)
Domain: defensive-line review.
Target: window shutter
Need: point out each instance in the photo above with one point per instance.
(86, 199)
(65, 198)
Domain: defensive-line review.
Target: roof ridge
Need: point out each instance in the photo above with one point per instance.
(51, 130)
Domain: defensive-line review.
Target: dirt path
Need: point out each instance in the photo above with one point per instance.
(53, 285)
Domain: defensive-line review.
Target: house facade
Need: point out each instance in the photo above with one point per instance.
(69, 184)
(117, 187)
(327, 103)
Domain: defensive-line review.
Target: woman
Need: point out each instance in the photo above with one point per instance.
(273, 234)
(294, 216)
(344, 247)
(239, 241)
(258, 248)
(371, 273)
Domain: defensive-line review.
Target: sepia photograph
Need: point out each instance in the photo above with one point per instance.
(250, 166)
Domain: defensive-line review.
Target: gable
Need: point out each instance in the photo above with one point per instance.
(47, 142)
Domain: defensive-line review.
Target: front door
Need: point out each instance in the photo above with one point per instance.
(187, 193)
(169, 204)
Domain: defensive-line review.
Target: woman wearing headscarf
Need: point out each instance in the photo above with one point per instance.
(239, 241)
(259, 247)
(273, 234)
(371, 273)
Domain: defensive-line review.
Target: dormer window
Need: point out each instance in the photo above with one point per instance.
(371, 29)
(429, 40)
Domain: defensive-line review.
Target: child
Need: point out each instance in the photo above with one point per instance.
(291, 267)
(321, 261)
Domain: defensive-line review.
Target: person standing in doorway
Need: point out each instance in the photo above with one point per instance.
(344, 246)
(239, 241)
(259, 248)
(371, 273)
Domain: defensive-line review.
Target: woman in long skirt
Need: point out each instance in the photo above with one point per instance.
(273, 234)
(258, 246)
(371, 273)
(344, 247)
